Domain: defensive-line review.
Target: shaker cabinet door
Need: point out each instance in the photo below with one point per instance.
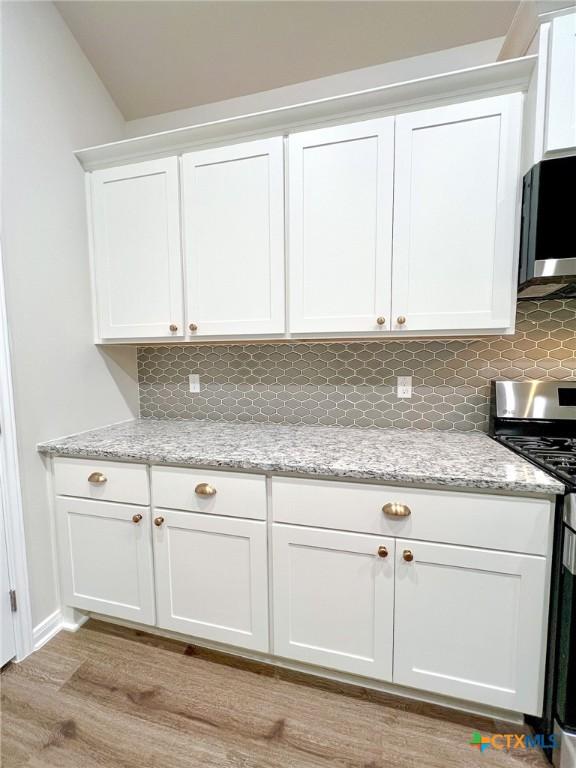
(340, 227)
(470, 623)
(136, 250)
(233, 205)
(106, 558)
(334, 599)
(455, 214)
(211, 577)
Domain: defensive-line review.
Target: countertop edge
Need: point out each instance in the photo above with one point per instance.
(555, 487)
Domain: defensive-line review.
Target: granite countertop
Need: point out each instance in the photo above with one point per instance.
(424, 457)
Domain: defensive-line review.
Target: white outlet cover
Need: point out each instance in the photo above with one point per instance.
(404, 387)
(194, 381)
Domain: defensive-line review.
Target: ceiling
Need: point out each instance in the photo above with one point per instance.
(157, 56)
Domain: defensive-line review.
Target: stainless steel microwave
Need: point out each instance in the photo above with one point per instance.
(548, 235)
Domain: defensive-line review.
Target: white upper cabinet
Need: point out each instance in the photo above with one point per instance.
(455, 213)
(340, 227)
(233, 203)
(561, 92)
(136, 250)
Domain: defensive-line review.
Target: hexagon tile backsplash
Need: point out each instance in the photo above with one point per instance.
(353, 383)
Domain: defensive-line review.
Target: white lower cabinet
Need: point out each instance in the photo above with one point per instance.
(106, 558)
(211, 577)
(470, 623)
(384, 597)
(334, 599)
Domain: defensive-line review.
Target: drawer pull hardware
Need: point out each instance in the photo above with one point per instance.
(97, 478)
(382, 552)
(173, 327)
(394, 509)
(407, 555)
(381, 320)
(193, 327)
(158, 521)
(136, 518)
(205, 489)
(401, 320)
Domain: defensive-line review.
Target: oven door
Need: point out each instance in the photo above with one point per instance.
(566, 655)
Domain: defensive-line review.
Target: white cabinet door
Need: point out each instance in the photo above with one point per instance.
(455, 212)
(471, 623)
(234, 239)
(561, 96)
(334, 599)
(136, 250)
(340, 227)
(106, 558)
(211, 577)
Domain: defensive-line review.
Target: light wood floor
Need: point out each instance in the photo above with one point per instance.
(109, 697)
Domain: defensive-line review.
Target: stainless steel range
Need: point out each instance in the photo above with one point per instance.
(537, 419)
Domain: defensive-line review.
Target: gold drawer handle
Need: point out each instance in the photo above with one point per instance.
(136, 518)
(394, 509)
(407, 555)
(381, 320)
(158, 521)
(205, 489)
(401, 320)
(97, 478)
(382, 552)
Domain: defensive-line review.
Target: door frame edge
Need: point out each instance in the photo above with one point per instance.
(12, 492)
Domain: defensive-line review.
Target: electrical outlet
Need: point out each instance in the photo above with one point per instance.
(404, 386)
(194, 380)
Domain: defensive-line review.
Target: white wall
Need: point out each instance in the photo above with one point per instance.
(52, 103)
(462, 57)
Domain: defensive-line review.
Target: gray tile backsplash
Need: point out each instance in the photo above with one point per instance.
(353, 383)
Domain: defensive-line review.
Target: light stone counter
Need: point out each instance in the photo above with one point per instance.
(438, 458)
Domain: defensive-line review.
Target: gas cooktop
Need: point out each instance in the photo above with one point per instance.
(556, 454)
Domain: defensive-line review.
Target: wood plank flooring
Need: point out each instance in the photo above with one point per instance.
(110, 697)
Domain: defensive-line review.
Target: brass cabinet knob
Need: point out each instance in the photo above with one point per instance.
(193, 327)
(205, 489)
(400, 319)
(407, 555)
(173, 327)
(136, 518)
(97, 478)
(381, 320)
(382, 552)
(394, 509)
(158, 521)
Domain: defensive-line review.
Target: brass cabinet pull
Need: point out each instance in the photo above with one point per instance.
(394, 509)
(97, 478)
(158, 521)
(407, 555)
(136, 518)
(382, 552)
(173, 327)
(381, 320)
(205, 489)
(401, 320)
(193, 327)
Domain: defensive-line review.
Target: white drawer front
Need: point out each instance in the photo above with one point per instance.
(236, 494)
(111, 480)
(452, 517)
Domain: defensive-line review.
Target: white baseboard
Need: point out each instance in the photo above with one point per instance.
(47, 629)
(68, 620)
